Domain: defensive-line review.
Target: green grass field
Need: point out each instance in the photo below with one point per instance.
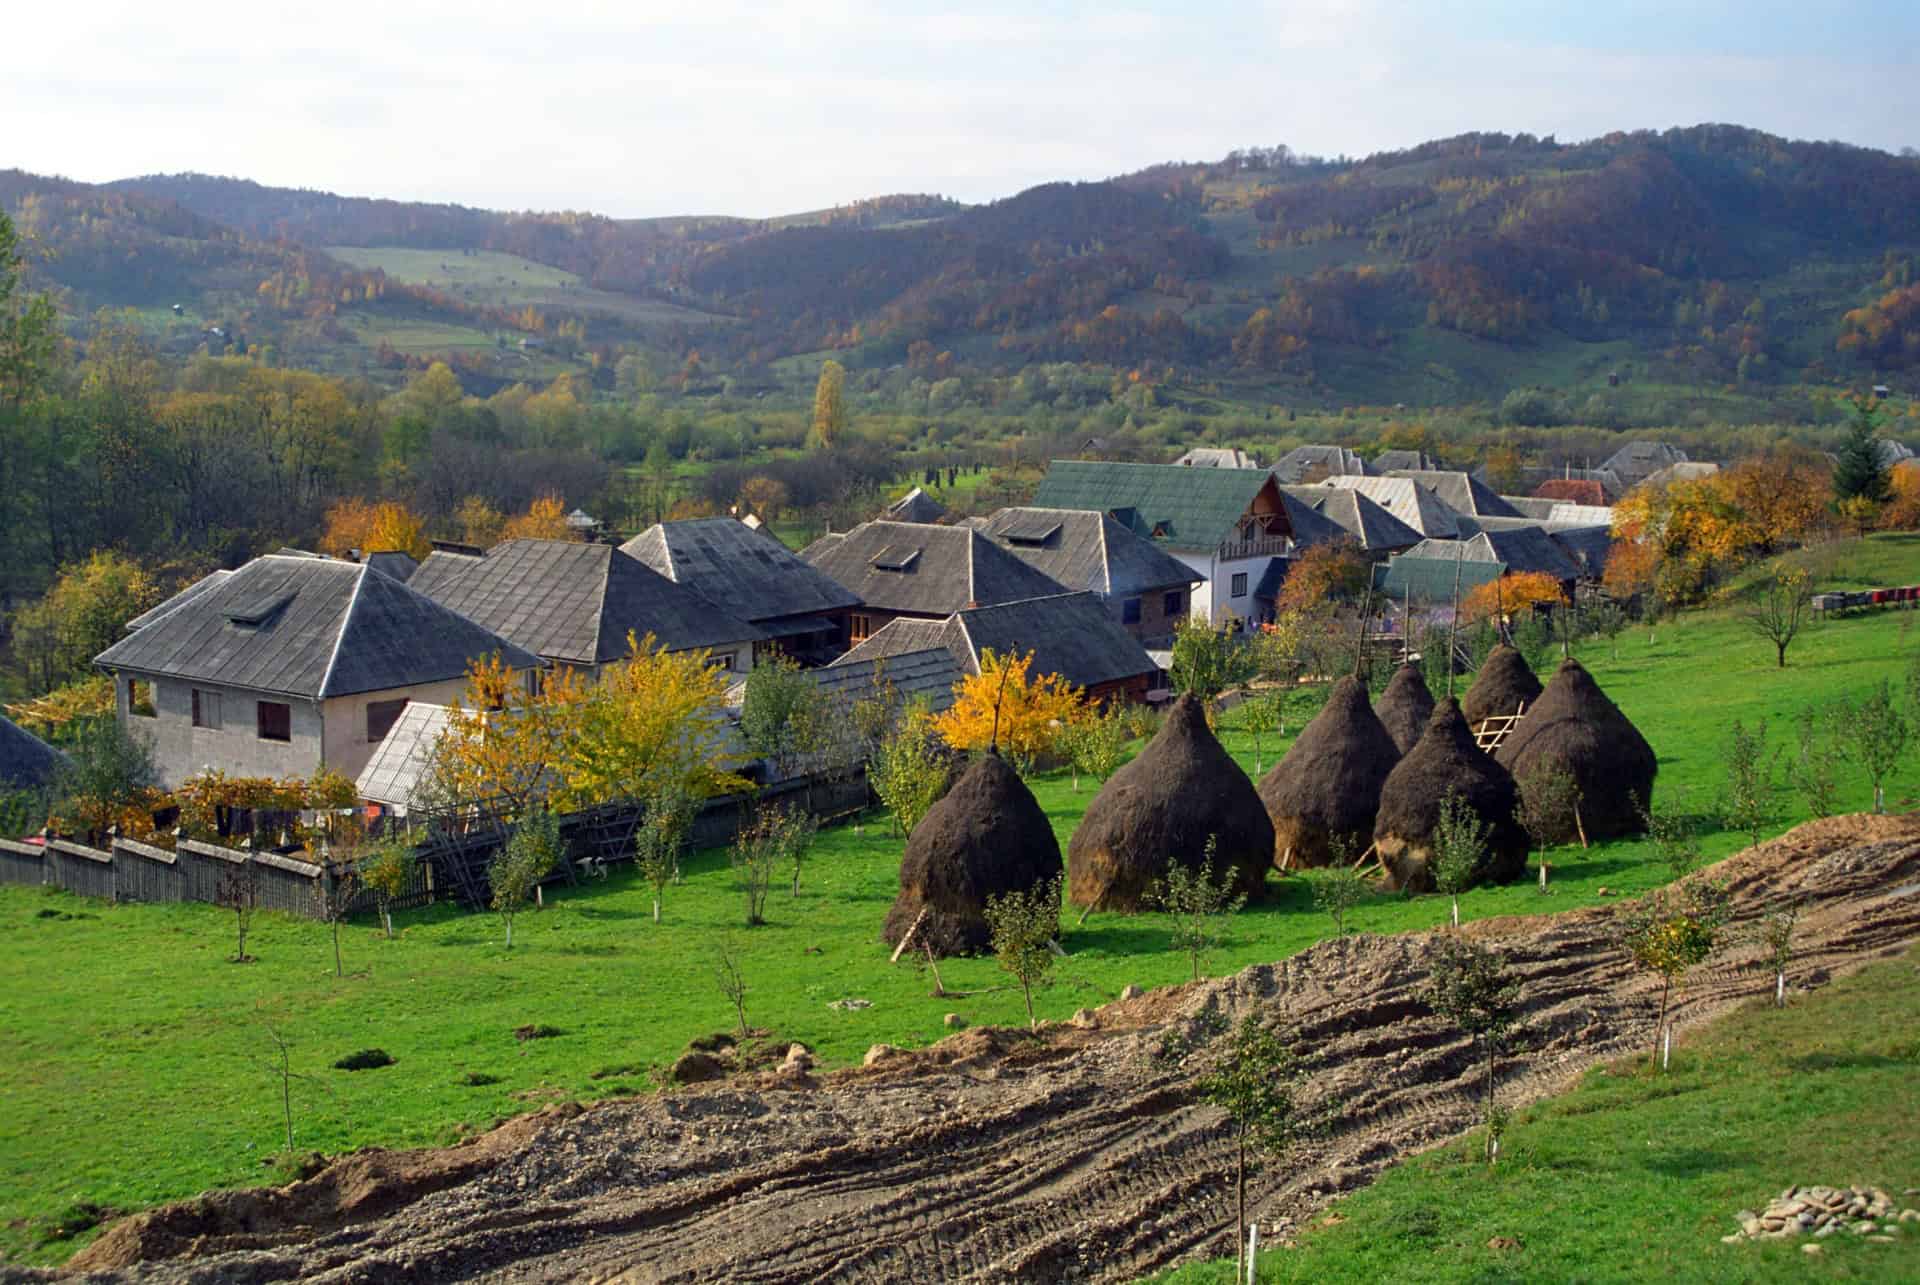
(1635, 1176)
(141, 1066)
(493, 279)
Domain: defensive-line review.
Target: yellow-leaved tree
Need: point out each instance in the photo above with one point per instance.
(1031, 710)
(479, 522)
(545, 519)
(374, 528)
(653, 722)
(830, 403)
(1512, 595)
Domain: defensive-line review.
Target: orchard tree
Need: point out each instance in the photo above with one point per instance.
(1669, 934)
(1459, 849)
(1024, 927)
(1779, 609)
(1199, 904)
(1253, 1082)
(1208, 659)
(1873, 733)
(1470, 987)
(388, 872)
(1005, 704)
(909, 770)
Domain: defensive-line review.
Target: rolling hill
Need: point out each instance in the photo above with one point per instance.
(1449, 272)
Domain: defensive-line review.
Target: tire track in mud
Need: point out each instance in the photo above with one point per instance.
(968, 1163)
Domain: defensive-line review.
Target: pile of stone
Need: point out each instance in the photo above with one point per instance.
(1827, 1211)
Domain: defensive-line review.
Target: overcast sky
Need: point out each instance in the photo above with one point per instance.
(729, 107)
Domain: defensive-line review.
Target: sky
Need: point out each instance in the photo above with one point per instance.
(638, 109)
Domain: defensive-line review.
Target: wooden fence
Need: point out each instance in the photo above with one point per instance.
(449, 864)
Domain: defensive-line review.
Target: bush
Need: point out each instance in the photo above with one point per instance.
(364, 1060)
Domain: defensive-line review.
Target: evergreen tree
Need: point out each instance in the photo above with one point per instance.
(1857, 470)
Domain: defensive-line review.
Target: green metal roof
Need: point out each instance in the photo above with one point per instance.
(1432, 580)
(1187, 508)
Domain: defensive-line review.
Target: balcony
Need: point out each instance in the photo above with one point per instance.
(1266, 546)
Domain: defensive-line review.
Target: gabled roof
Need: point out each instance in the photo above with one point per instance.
(1082, 549)
(1356, 513)
(1526, 548)
(925, 570)
(1180, 508)
(1308, 464)
(928, 674)
(313, 628)
(746, 572)
(915, 506)
(1411, 502)
(1431, 571)
(1461, 492)
(26, 761)
(1069, 634)
(1387, 461)
(402, 759)
(186, 595)
(576, 603)
(1634, 461)
(1588, 546)
(1217, 457)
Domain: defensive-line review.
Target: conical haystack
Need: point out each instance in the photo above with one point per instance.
(1404, 708)
(986, 838)
(1575, 725)
(1446, 761)
(1504, 685)
(1329, 783)
(1160, 809)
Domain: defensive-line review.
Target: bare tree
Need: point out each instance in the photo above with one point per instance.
(239, 892)
(731, 978)
(1779, 609)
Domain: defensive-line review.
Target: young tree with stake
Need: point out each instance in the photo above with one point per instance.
(334, 891)
(1669, 934)
(388, 872)
(531, 852)
(1748, 802)
(1199, 905)
(1776, 937)
(1470, 988)
(1024, 926)
(1253, 1083)
(1459, 849)
(658, 838)
(239, 891)
(1549, 808)
(731, 978)
(1260, 716)
(1873, 733)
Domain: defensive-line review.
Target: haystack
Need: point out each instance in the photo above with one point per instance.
(1446, 760)
(1404, 708)
(986, 838)
(1160, 809)
(1328, 785)
(1504, 685)
(1575, 725)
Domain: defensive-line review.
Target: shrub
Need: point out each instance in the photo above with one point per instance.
(364, 1060)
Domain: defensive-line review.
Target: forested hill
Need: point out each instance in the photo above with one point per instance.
(1442, 273)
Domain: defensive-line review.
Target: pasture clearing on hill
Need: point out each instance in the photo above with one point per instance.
(488, 278)
(140, 1067)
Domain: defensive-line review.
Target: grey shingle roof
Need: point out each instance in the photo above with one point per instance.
(576, 603)
(1411, 502)
(1082, 549)
(1069, 634)
(395, 563)
(1588, 547)
(1528, 548)
(1461, 492)
(1179, 508)
(309, 627)
(26, 761)
(1369, 523)
(1634, 461)
(915, 506)
(186, 595)
(401, 760)
(927, 674)
(925, 570)
(1312, 463)
(745, 572)
(1683, 471)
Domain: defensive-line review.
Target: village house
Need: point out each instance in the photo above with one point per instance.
(579, 604)
(1235, 528)
(1462, 492)
(1413, 504)
(919, 572)
(915, 506)
(1366, 523)
(927, 676)
(288, 665)
(748, 574)
(1069, 634)
(1144, 589)
(1305, 465)
(1217, 457)
(1635, 462)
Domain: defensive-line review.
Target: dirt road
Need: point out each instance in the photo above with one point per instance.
(992, 1157)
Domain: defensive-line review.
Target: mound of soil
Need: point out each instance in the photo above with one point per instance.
(922, 1167)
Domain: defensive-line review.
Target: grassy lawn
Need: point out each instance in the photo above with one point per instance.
(140, 1070)
(1635, 1176)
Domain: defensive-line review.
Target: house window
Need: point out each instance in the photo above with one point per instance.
(273, 720)
(1176, 603)
(140, 698)
(722, 660)
(381, 716)
(860, 628)
(1239, 584)
(206, 709)
(1130, 612)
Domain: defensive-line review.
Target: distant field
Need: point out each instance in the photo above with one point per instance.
(491, 279)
